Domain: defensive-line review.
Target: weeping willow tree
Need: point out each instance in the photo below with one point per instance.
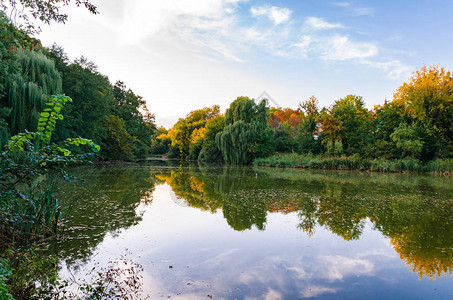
(246, 134)
(29, 88)
(8, 66)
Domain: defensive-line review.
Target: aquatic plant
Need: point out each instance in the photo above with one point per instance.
(29, 167)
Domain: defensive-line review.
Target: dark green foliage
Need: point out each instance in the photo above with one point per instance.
(28, 168)
(4, 130)
(246, 134)
(284, 137)
(27, 79)
(308, 139)
(234, 141)
(102, 112)
(306, 143)
(264, 145)
(29, 274)
(92, 99)
(159, 146)
(28, 91)
(139, 122)
(121, 143)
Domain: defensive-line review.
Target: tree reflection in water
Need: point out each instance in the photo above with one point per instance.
(414, 212)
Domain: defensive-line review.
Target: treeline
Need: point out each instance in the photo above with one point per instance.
(416, 124)
(111, 115)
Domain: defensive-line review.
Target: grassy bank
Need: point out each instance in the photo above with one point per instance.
(293, 160)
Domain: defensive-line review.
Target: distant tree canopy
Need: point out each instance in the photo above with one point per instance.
(417, 124)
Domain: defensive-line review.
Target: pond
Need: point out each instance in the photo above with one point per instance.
(262, 233)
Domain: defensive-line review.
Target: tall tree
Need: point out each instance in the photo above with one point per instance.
(139, 122)
(427, 98)
(346, 121)
(308, 137)
(246, 134)
(30, 88)
(92, 99)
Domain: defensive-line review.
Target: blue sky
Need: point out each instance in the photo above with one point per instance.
(182, 55)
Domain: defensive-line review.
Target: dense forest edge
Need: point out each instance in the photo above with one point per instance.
(55, 112)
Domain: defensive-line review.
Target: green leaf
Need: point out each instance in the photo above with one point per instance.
(45, 114)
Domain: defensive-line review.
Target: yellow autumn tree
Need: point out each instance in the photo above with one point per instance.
(427, 98)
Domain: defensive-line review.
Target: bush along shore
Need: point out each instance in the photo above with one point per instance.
(354, 162)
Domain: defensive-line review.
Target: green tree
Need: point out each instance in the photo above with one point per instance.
(308, 136)
(139, 122)
(92, 96)
(347, 120)
(120, 142)
(384, 120)
(28, 90)
(427, 98)
(284, 137)
(246, 134)
(407, 139)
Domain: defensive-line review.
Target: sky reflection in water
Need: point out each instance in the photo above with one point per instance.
(265, 233)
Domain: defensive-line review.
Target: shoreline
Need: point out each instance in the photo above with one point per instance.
(351, 163)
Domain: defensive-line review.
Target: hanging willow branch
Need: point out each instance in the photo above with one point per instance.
(246, 123)
(27, 92)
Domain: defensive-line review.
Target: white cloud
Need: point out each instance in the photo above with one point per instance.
(304, 45)
(342, 4)
(342, 48)
(354, 10)
(316, 290)
(338, 267)
(211, 29)
(276, 14)
(363, 11)
(198, 26)
(394, 69)
(320, 24)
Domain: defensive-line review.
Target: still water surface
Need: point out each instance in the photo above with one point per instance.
(259, 233)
